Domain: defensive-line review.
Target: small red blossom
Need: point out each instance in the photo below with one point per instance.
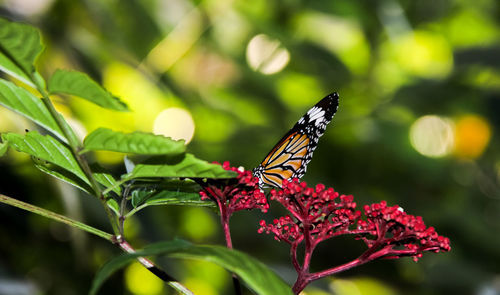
(317, 214)
(244, 193)
(320, 212)
(397, 233)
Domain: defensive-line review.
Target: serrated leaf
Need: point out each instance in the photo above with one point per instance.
(4, 146)
(177, 198)
(46, 148)
(61, 174)
(138, 197)
(10, 68)
(253, 273)
(21, 43)
(81, 85)
(171, 192)
(167, 197)
(133, 143)
(107, 180)
(143, 192)
(23, 102)
(70, 178)
(187, 167)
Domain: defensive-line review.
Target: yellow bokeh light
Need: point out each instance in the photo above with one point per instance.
(142, 282)
(432, 136)
(472, 134)
(266, 55)
(198, 224)
(424, 54)
(12, 122)
(469, 28)
(360, 286)
(206, 271)
(200, 286)
(345, 287)
(176, 123)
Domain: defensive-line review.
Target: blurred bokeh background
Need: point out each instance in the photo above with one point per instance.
(419, 83)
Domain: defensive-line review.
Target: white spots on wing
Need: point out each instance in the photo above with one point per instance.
(317, 115)
(315, 112)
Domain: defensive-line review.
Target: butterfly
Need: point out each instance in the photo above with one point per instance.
(289, 157)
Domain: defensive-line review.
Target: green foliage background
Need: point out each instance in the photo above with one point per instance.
(391, 61)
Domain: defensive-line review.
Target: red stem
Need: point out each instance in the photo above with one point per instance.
(225, 213)
(300, 283)
(372, 253)
(293, 253)
(303, 272)
(337, 269)
(224, 219)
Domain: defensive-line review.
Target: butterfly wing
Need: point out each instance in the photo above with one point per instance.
(290, 156)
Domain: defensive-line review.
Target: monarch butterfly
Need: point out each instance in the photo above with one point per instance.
(289, 157)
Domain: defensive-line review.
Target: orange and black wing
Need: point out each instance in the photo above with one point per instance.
(289, 157)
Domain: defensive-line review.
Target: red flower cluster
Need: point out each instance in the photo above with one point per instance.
(317, 214)
(234, 195)
(399, 234)
(320, 213)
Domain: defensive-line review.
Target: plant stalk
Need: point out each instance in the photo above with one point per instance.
(75, 147)
(56, 217)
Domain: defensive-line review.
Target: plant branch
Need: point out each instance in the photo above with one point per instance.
(123, 205)
(107, 236)
(75, 147)
(56, 217)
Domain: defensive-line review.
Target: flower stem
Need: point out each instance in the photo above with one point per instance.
(337, 269)
(224, 217)
(55, 216)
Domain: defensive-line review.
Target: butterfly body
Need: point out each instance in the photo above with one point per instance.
(289, 157)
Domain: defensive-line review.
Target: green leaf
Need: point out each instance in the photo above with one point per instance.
(23, 102)
(140, 196)
(187, 167)
(147, 198)
(21, 43)
(107, 180)
(10, 68)
(176, 198)
(174, 192)
(46, 148)
(171, 192)
(53, 170)
(253, 273)
(80, 84)
(4, 146)
(113, 205)
(134, 143)
(61, 174)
